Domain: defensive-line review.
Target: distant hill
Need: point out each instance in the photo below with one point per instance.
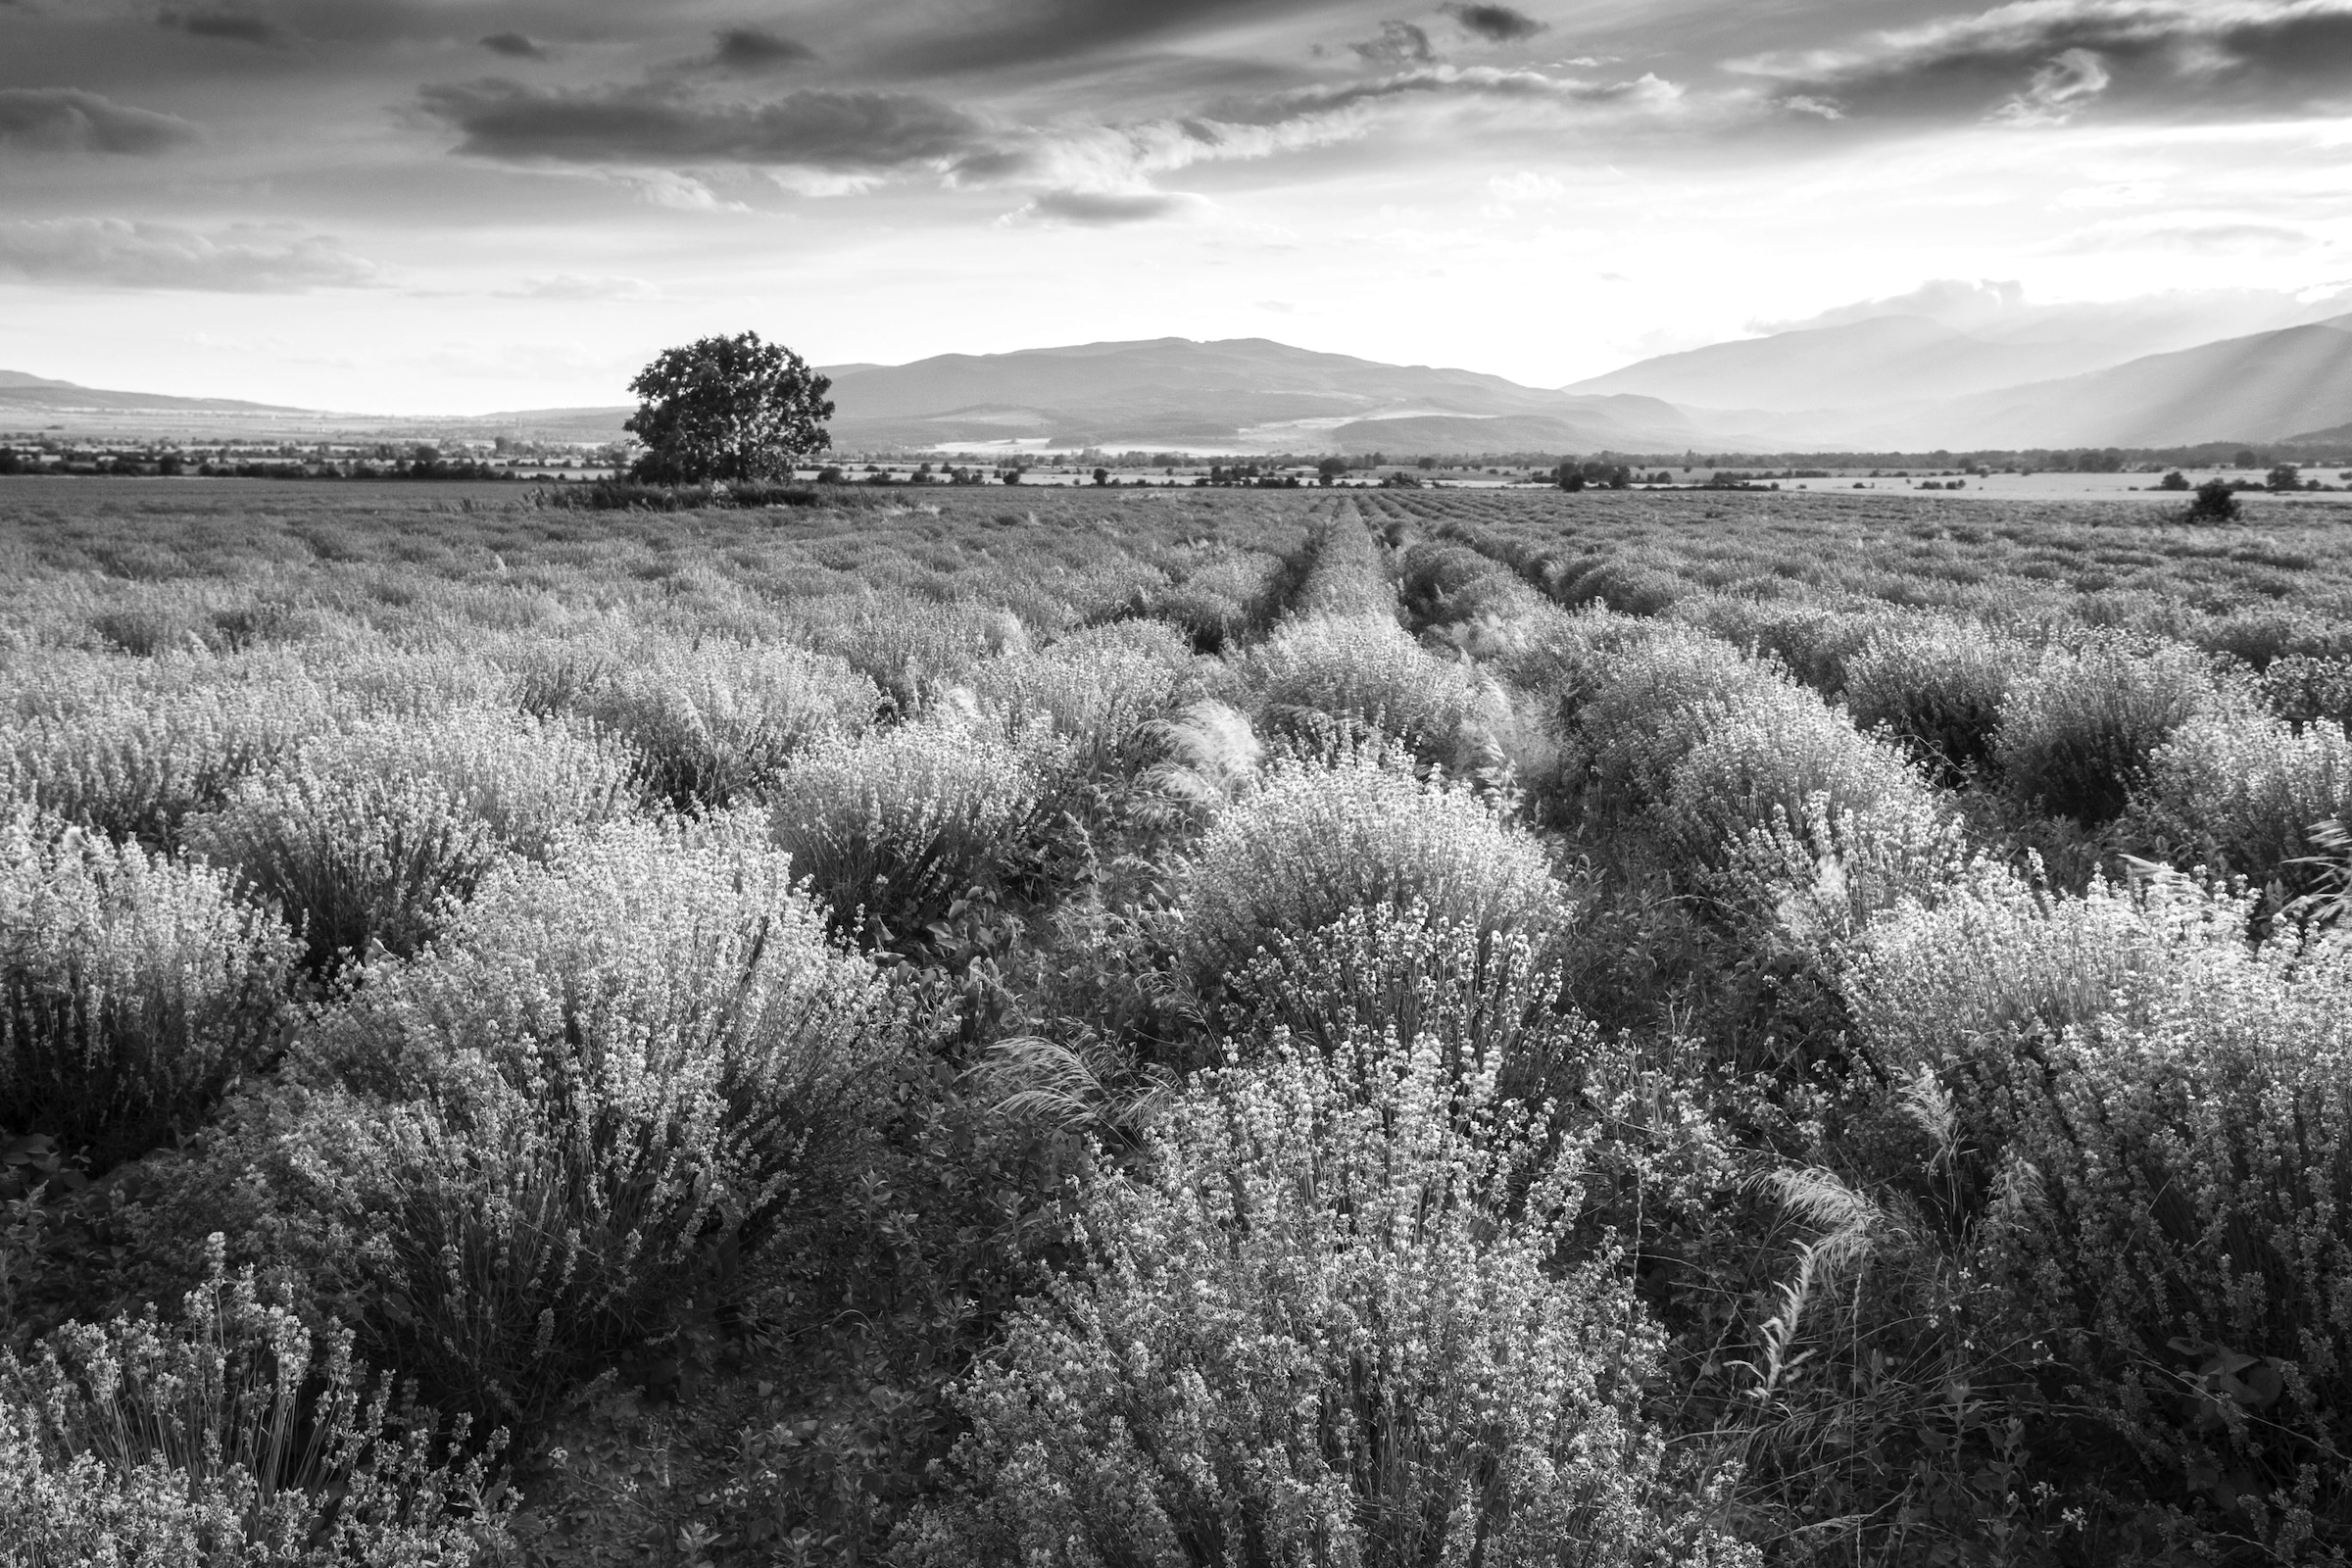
(34, 393)
(1178, 391)
(2262, 387)
(1850, 365)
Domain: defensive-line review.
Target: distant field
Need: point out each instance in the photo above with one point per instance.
(1722, 1027)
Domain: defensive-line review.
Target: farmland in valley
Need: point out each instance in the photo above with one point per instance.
(970, 1025)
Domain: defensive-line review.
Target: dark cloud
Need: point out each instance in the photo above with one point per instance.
(1039, 32)
(108, 253)
(513, 45)
(848, 131)
(2047, 61)
(1400, 43)
(236, 27)
(68, 119)
(1494, 24)
(755, 49)
(1103, 209)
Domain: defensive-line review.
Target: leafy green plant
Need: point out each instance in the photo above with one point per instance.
(1362, 677)
(2242, 794)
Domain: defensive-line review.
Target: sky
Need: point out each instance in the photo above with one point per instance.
(458, 206)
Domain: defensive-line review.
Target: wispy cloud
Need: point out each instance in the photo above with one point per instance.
(68, 120)
(1106, 208)
(110, 253)
(2043, 62)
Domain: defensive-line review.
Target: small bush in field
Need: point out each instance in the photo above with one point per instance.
(1089, 697)
(716, 722)
(612, 1082)
(1649, 701)
(133, 988)
(1495, 1001)
(1815, 642)
(230, 1436)
(2308, 689)
(2077, 730)
(1333, 1325)
(132, 758)
(1310, 843)
(1770, 761)
(904, 823)
(913, 649)
(2168, 1105)
(1373, 679)
(362, 835)
(1938, 685)
(2240, 794)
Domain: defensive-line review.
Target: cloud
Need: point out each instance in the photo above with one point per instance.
(1042, 33)
(109, 252)
(1106, 208)
(853, 130)
(2058, 91)
(755, 49)
(515, 46)
(68, 119)
(1494, 24)
(2219, 238)
(2043, 62)
(1400, 43)
(235, 27)
(1648, 92)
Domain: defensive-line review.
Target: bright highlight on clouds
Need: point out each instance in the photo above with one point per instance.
(1542, 190)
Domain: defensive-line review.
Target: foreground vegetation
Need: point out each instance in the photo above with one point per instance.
(1171, 1027)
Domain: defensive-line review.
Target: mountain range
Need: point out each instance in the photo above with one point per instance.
(1888, 382)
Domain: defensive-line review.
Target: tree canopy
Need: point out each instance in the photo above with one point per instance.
(727, 408)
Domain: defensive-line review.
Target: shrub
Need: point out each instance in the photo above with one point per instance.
(913, 649)
(133, 988)
(2076, 732)
(1938, 685)
(1373, 679)
(1089, 697)
(1328, 1328)
(233, 1436)
(364, 834)
(905, 823)
(1778, 755)
(2215, 502)
(2311, 689)
(716, 722)
(1494, 1000)
(606, 1089)
(132, 758)
(1649, 701)
(2168, 1106)
(1814, 642)
(2239, 793)
(1312, 844)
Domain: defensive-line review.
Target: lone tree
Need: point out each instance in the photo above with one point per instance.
(727, 408)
